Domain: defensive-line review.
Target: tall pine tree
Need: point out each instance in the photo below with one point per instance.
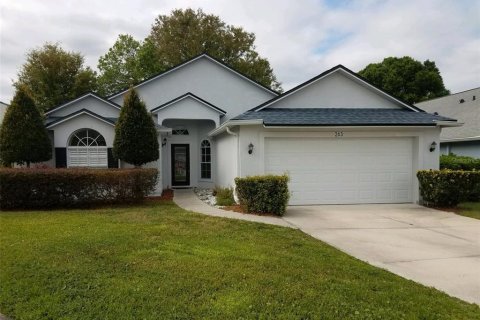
(136, 139)
(23, 137)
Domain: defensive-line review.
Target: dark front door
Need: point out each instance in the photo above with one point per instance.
(180, 165)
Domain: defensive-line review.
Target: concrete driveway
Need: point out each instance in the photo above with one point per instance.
(432, 247)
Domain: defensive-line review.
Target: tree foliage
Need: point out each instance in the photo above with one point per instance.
(178, 37)
(54, 75)
(135, 134)
(119, 67)
(406, 78)
(23, 137)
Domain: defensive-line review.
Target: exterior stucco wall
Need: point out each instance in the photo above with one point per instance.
(188, 108)
(335, 91)
(63, 131)
(227, 159)
(422, 138)
(90, 103)
(466, 148)
(209, 81)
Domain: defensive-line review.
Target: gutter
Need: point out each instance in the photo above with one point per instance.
(441, 123)
(477, 138)
(230, 123)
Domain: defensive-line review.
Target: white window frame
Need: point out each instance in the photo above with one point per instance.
(206, 162)
(87, 153)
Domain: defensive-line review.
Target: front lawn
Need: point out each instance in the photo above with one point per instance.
(469, 209)
(157, 261)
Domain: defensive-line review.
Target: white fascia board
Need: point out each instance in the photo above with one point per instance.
(231, 123)
(189, 96)
(466, 139)
(348, 75)
(342, 127)
(76, 115)
(448, 123)
(78, 99)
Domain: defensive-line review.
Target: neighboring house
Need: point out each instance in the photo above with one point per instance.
(341, 139)
(3, 110)
(465, 107)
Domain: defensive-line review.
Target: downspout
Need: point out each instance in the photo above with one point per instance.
(230, 132)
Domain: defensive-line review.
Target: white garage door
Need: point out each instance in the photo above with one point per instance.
(343, 171)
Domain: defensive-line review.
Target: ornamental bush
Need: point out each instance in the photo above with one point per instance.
(447, 188)
(263, 194)
(135, 139)
(49, 188)
(455, 162)
(23, 137)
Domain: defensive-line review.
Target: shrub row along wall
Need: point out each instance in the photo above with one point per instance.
(455, 162)
(263, 194)
(49, 188)
(448, 187)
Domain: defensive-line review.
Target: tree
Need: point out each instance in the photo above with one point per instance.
(119, 67)
(406, 78)
(178, 37)
(54, 75)
(23, 137)
(135, 134)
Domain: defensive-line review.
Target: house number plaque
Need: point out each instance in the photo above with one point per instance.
(338, 134)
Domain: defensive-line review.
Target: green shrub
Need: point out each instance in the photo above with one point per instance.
(49, 188)
(263, 194)
(448, 187)
(454, 162)
(224, 196)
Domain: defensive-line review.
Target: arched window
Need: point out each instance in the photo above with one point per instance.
(87, 148)
(205, 160)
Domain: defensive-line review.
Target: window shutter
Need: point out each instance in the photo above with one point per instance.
(60, 157)
(112, 162)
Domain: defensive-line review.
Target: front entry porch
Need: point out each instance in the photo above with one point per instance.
(188, 155)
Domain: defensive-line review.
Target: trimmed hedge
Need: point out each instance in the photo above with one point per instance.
(455, 162)
(49, 188)
(263, 194)
(447, 188)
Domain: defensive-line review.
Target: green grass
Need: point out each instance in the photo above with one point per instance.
(469, 209)
(157, 261)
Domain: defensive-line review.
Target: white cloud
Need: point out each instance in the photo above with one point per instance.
(300, 38)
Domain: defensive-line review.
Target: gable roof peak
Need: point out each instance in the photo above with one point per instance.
(187, 62)
(87, 94)
(326, 74)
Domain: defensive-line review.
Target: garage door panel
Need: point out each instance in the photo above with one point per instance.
(328, 171)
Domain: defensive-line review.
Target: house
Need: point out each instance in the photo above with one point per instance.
(465, 107)
(341, 139)
(3, 110)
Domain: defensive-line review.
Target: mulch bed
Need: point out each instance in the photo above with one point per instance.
(167, 194)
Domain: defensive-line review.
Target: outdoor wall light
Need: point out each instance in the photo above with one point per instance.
(164, 142)
(250, 148)
(433, 146)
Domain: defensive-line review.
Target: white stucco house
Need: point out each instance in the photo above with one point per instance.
(3, 110)
(465, 107)
(340, 139)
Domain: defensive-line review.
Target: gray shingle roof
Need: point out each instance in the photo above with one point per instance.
(340, 117)
(467, 112)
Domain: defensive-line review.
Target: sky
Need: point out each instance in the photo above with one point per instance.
(300, 38)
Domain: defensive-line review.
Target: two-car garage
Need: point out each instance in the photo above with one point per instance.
(343, 170)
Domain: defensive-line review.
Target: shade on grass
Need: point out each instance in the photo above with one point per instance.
(157, 261)
(469, 209)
